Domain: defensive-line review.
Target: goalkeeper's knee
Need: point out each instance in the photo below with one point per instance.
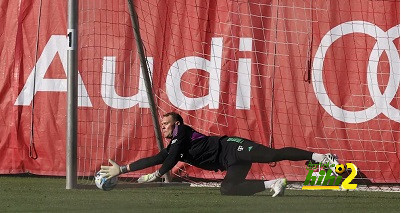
(227, 189)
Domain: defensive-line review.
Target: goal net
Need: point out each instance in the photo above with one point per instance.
(317, 75)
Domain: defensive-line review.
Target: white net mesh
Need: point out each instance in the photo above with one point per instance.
(309, 73)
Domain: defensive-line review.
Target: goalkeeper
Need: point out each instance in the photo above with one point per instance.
(232, 154)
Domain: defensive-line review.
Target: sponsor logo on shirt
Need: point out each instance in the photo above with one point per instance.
(173, 141)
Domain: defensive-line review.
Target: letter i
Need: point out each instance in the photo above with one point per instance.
(243, 99)
(322, 173)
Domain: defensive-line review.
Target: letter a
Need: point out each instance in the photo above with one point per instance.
(37, 82)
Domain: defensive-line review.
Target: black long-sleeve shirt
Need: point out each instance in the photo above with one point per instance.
(187, 145)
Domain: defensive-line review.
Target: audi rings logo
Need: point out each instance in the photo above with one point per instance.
(384, 43)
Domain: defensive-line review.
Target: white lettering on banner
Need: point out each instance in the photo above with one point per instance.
(58, 44)
(243, 98)
(109, 95)
(51, 85)
(384, 43)
(212, 66)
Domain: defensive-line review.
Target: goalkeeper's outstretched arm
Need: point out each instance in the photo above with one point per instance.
(170, 161)
(147, 162)
(115, 169)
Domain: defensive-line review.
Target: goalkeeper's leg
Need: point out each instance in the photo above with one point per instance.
(234, 182)
(243, 150)
(263, 154)
(257, 153)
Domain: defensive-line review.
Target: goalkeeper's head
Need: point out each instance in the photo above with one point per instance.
(169, 121)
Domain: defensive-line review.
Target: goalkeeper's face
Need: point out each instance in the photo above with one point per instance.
(168, 125)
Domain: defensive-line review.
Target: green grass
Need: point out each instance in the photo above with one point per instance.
(43, 194)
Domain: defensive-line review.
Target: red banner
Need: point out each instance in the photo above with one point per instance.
(318, 75)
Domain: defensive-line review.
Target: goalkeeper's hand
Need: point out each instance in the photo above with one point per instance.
(149, 177)
(111, 171)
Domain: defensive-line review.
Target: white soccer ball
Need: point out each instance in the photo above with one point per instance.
(103, 183)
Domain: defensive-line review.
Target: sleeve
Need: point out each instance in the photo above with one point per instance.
(150, 161)
(174, 150)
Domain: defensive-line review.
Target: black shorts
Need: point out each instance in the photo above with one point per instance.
(236, 150)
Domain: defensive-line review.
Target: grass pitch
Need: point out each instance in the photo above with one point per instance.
(44, 194)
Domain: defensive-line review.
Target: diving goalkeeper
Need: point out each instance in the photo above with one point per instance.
(232, 154)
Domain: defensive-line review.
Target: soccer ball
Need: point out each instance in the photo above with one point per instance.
(340, 169)
(103, 183)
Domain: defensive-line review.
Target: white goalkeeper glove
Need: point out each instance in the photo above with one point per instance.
(112, 171)
(149, 177)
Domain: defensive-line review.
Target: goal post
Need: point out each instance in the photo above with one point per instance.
(72, 96)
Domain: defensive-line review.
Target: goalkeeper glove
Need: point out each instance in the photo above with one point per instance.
(112, 171)
(149, 177)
